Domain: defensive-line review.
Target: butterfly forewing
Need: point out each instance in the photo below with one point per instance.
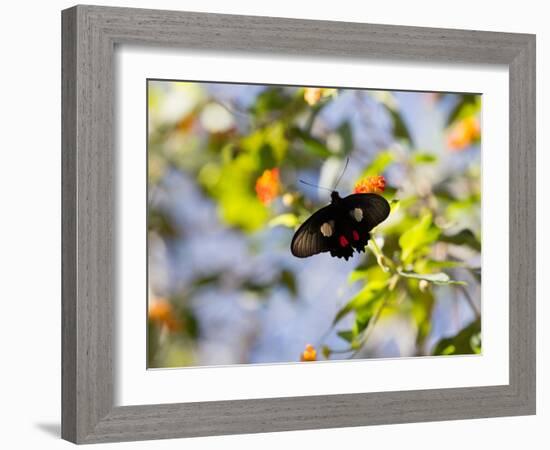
(375, 208)
(309, 240)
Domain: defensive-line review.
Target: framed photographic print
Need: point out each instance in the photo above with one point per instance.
(268, 230)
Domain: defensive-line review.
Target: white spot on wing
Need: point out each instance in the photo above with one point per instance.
(326, 229)
(357, 214)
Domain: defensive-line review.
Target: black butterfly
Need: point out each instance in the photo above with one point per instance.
(340, 227)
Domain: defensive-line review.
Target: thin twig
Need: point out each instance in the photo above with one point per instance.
(325, 335)
(380, 257)
(230, 108)
(343, 350)
(470, 300)
(311, 119)
(369, 330)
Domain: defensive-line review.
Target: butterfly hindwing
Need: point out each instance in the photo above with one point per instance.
(341, 227)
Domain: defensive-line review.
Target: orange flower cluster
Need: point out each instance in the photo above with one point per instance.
(268, 186)
(375, 184)
(312, 95)
(161, 312)
(463, 133)
(309, 354)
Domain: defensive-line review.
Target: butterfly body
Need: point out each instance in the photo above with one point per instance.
(342, 227)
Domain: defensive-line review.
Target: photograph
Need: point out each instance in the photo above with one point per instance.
(294, 224)
(249, 225)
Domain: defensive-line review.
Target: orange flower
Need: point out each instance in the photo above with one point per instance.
(186, 123)
(463, 133)
(161, 312)
(309, 354)
(432, 97)
(312, 95)
(375, 184)
(268, 186)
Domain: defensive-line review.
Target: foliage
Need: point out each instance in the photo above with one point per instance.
(247, 158)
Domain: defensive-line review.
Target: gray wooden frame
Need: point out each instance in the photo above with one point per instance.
(90, 34)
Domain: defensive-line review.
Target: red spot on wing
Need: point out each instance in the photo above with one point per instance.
(355, 235)
(343, 241)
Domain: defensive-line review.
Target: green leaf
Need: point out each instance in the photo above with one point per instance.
(272, 99)
(400, 130)
(394, 205)
(468, 106)
(316, 147)
(206, 280)
(153, 340)
(475, 342)
(237, 201)
(389, 102)
(372, 292)
(342, 313)
(417, 237)
(288, 280)
(476, 273)
(191, 327)
(374, 275)
(161, 222)
(421, 310)
(379, 163)
(449, 350)
(463, 237)
(424, 158)
(345, 133)
(240, 209)
(362, 320)
(430, 265)
(346, 335)
(356, 275)
(286, 220)
(314, 112)
(311, 144)
(466, 341)
(268, 145)
(440, 278)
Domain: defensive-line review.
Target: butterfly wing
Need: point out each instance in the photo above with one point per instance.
(309, 238)
(374, 209)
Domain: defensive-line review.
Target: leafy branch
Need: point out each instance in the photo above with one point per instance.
(393, 279)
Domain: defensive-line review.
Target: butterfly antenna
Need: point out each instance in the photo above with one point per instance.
(342, 174)
(315, 186)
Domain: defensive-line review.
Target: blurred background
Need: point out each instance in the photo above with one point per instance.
(224, 200)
